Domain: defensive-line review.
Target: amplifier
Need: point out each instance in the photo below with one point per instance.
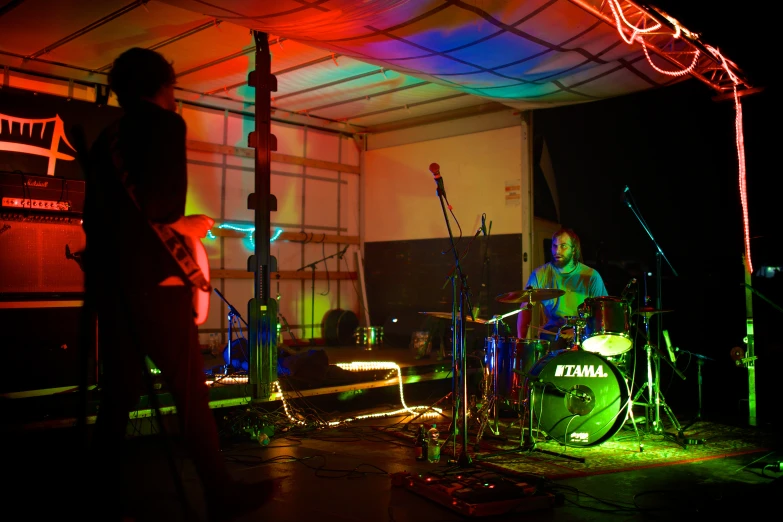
(47, 195)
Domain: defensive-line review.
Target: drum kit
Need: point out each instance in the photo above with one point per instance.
(580, 395)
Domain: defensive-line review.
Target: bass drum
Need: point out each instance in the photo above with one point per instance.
(579, 398)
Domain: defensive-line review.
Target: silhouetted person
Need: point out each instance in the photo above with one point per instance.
(143, 299)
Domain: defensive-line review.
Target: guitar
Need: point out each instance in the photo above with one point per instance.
(191, 256)
(193, 260)
(200, 296)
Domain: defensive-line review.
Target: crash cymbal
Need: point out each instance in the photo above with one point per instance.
(531, 294)
(447, 315)
(649, 311)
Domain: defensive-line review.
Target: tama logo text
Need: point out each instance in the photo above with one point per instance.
(576, 370)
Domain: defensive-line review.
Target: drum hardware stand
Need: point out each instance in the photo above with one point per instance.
(527, 443)
(489, 404)
(699, 363)
(490, 393)
(233, 316)
(428, 410)
(655, 397)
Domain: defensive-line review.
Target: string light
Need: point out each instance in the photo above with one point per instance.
(621, 22)
(423, 411)
(618, 14)
(247, 229)
(740, 142)
(229, 379)
(681, 72)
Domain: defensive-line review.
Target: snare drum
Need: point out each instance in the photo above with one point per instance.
(607, 325)
(507, 360)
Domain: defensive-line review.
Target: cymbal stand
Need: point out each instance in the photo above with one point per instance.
(488, 414)
(655, 399)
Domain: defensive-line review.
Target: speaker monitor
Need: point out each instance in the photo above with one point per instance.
(42, 345)
(41, 257)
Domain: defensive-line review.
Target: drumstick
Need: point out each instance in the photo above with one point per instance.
(542, 330)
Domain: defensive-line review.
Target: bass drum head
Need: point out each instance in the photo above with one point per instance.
(579, 398)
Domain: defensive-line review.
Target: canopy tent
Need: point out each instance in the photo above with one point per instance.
(373, 66)
(361, 66)
(368, 64)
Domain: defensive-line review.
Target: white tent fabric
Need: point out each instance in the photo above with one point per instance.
(370, 62)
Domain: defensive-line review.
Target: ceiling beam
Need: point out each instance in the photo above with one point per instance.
(175, 38)
(84, 30)
(455, 114)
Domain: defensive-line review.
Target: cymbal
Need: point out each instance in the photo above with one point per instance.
(531, 294)
(649, 311)
(447, 315)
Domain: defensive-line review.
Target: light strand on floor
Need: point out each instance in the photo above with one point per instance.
(423, 411)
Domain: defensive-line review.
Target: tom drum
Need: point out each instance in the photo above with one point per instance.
(507, 360)
(607, 325)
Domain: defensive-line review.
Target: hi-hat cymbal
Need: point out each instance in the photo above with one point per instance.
(649, 311)
(531, 294)
(447, 315)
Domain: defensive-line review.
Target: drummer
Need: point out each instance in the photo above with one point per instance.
(565, 272)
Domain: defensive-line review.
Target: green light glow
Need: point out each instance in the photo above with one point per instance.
(348, 395)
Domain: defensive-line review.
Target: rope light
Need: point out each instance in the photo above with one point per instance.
(621, 22)
(247, 229)
(681, 72)
(617, 11)
(740, 142)
(423, 411)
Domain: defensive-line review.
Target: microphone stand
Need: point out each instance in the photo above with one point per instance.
(699, 363)
(659, 255)
(312, 288)
(459, 366)
(233, 315)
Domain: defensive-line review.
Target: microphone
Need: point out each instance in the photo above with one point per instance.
(435, 169)
(627, 288)
(484, 224)
(625, 196)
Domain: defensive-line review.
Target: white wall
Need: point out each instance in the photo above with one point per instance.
(400, 194)
(309, 200)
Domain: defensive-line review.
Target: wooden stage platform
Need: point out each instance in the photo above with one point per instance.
(378, 373)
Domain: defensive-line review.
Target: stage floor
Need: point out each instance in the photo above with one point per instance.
(357, 471)
(343, 451)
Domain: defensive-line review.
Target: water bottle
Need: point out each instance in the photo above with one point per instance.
(433, 448)
(420, 445)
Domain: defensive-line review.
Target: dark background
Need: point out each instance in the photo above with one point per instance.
(674, 148)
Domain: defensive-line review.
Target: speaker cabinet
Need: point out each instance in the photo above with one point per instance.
(42, 345)
(40, 256)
